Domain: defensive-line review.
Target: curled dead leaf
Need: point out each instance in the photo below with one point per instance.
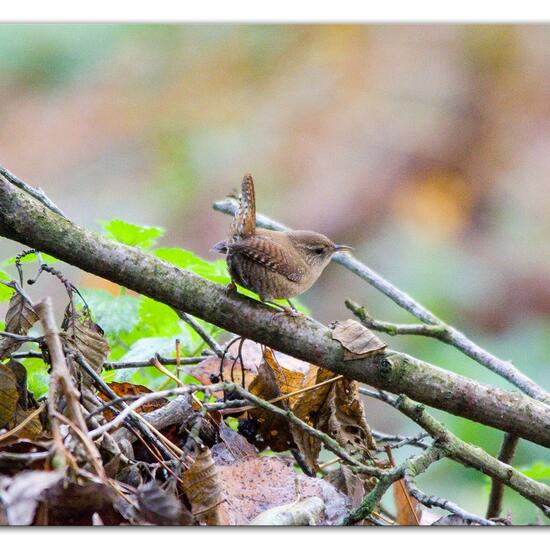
(20, 317)
(203, 489)
(16, 403)
(273, 428)
(9, 395)
(86, 337)
(358, 341)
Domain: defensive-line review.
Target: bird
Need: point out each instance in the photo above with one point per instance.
(276, 265)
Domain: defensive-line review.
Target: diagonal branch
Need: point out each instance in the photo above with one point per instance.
(446, 333)
(33, 191)
(27, 221)
(467, 454)
(505, 456)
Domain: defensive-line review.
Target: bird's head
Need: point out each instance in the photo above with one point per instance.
(315, 248)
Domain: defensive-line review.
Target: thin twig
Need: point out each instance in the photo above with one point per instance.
(230, 388)
(21, 337)
(60, 371)
(394, 441)
(38, 194)
(444, 504)
(210, 342)
(118, 365)
(418, 464)
(286, 395)
(135, 419)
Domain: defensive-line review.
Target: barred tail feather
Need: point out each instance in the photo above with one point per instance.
(244, 222)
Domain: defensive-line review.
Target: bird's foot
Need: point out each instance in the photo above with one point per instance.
(290, 312)
(284, 310)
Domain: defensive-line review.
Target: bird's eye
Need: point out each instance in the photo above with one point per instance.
(318, 250)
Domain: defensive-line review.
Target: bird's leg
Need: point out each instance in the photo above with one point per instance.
(292, 306)
(231, 287)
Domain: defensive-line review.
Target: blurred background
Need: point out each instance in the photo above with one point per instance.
(424, 147)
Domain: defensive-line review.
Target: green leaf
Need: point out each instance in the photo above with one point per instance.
(46, 258)
(157, 319)
(214, 271)
(233, 423)
(146, 348)
(114, 314)
(5, 291)
(538, 470)
(37, 376)
(142, 236)
(148, 376)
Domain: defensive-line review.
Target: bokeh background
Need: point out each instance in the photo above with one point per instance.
(426, 147)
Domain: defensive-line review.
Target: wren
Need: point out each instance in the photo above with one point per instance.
(273, 264)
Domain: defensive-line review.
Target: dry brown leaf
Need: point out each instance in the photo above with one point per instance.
(9, 396)
(20, 494)
(16, 403)
(289, 380)
(357, 339)
(19, 320)
(26, 399)
(343, 417)
(86, 337)
(125, 389)
(31, 429)
(208, 371)
(70, 503)
(273, 428)
(307, 408)
(203, 489)
(349, 483)
(161, 507)
(235, 444)
(407, 507)
(257, 483)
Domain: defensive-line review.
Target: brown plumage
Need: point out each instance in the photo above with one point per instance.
(274, 264)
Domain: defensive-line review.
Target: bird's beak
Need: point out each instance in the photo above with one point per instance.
(342, 247)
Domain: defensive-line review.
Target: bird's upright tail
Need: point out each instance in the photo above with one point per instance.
(244, 222)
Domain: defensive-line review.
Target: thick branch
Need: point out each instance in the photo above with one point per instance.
(25, 220)
(445, 332)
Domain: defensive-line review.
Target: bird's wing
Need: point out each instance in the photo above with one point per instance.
(244, 222)
(269, 254)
